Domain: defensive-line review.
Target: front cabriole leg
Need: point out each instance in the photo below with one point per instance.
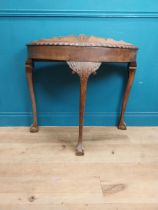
(131, 73)
(84, 70)
(29, 67)
(83, 88)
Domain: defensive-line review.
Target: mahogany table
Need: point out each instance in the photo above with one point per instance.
(84, 55)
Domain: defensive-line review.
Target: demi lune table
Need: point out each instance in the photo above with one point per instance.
(84, 55)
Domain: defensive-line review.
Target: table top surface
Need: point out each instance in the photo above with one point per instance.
(83, 49)
(83, 41)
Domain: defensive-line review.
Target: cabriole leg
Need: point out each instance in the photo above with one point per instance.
(83, 89)
(131, 73)
(29, 68)
(84, 70)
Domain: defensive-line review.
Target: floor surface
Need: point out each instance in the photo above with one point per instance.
(39, 171)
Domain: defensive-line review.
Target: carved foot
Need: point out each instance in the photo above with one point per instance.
(79, 150)
(34, 129)
(122, 126)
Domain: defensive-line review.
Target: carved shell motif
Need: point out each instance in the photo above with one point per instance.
(84, 40)
(84, 68)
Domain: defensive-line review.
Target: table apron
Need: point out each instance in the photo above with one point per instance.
(85, 54)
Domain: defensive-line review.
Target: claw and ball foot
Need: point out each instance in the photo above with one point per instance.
(79, 149)
(34, 129)
(122, 126)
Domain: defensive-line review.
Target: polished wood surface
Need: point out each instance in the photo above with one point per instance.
(76, 51)
(39, 171)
